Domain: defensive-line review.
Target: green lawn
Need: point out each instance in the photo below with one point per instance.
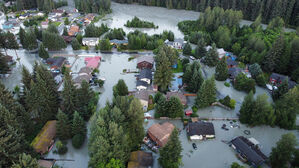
(179, 68)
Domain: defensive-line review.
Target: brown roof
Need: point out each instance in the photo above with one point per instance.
(149, 59)
(67, 39)
(45, 137)
(79, 79)
(161, 132)
(46, 163)
(73, 30)
(142, 94)
(86, 70)
(180, 95)
(140, 159)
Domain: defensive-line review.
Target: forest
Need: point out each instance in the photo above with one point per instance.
(268, 9)
(93, 6)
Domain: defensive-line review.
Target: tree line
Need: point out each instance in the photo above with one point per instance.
(137, 23)
(93, 6)
(268, 9)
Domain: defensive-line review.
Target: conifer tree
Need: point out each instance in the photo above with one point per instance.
(212, 56)
(69, 95)
(221, 72)
(42, 52)
(175, 107)
(120, 89)
(170, 154)
(87, 100)
(200, 50)
(75, 44)
(206, 94)
(22, 36)
(26, 161)
(187, 49)
(78, 125)
(63, 126)
(273, 55)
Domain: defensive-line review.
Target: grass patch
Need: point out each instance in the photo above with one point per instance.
(56, 23)
(84, 47)
(179, 68)
(226, 84)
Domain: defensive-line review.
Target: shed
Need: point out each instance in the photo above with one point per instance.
(45, 138)
(160, 133)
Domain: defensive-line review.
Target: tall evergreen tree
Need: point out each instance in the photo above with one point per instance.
(187, 50)
(87, 100)
(120, 89)
(63, 126)
(221, 72)
(26, 161)
(212, 56)
(200, 50)
(170, 154)
(78, 125)
(175, 107)
(274, 54)
(4, 68)
(206, 94)
(42, 52)
(69, 95)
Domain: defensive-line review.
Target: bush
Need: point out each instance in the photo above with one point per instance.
(260, 80)
(226, 84)
(78, 140)
(227, 101)
(194, 109)
(150, 107)
(194, 115)
(232, 103)
(243, 83)
(61, 147)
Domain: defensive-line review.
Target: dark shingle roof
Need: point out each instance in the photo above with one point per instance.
(149, 59)
(141, 83)
(145, 73)
(201, 128)
(56, 61)
(247, 148)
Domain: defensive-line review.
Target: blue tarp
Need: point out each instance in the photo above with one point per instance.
(175, 83)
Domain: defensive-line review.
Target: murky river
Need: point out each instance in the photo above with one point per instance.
(210, 154)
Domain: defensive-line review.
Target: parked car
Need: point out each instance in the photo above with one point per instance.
(194, 146)
(191, 57)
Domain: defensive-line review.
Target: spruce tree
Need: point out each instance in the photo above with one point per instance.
(75, 44)
(273, 55)
(246, 107)
(87, 100)
(63, 126)
(175, 107)
(42, 52)
(200, 50)
(206, 94)
(78, 125)
(120, 89)
(221, 72)
(22, 36)
(196, 80)
(26, 78)
(4, 67)
(26, 161)
(187, 49)
(69, 95)
(212, 56)
(170, 154)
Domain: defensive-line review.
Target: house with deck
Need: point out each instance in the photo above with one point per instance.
(200, 130)
(248, 151)
(276, 79)
(160, 133)
(145, 62)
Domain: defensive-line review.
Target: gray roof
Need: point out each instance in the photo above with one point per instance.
(90, 39)
(278, 77)
(145, 73)
(141, 83)
(201, 128)
(143, 95)
(86, 70)
(56, 61)
(79, 79)
(116, 41)
(148, 58)
(249, 150)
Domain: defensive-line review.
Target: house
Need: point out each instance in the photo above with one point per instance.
(117, 42)
(55, 63)
(11, 23)
(93, 62)
(145, 62)
(44, 24)
(68, 39)
(200, 130)
(143, 97)
(180, 95)
(177, 43)
(74, 30)
(44, 141)
(248, 151)
(90, 41)
(141, 85)
(58, 12)
(141, 159)
(277, 79)
(145, 75)
(85, 71)
(231, 63)
(234, 72)
(160, 133)
(46, 163)
(88, 18)
(80, 78)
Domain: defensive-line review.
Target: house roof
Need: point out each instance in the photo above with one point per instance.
(140, 159)
(148, 58)
(45, 137)
(141, 83)
(57, 11)
(142, 95)
(161, 132)
(73, 30)
(92, 62)
(46, 163)
(56, 61)
(180, 95)
(86, 70)
(116, 41)
(247, 148)
(145, 73)
(231, 62)
(90, 39)
(79, 79)
(201, 128)
(278, 77)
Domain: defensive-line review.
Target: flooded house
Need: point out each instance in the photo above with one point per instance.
(145, 75)
(44, 24)
(141, 85)
(200, 130)
(160, 133)
(180, 95)
(93, 62)
(44, 141)
(56, 63)
(248, 151)
(116, 42)
(83, 75)
(90, 41)
(143, 97)
(177, 43)
(141, 159)
(145, 62)
(277, 79)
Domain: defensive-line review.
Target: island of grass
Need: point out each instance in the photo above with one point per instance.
(137, 23)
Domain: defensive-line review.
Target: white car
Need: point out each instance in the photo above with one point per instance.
(191, 57)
